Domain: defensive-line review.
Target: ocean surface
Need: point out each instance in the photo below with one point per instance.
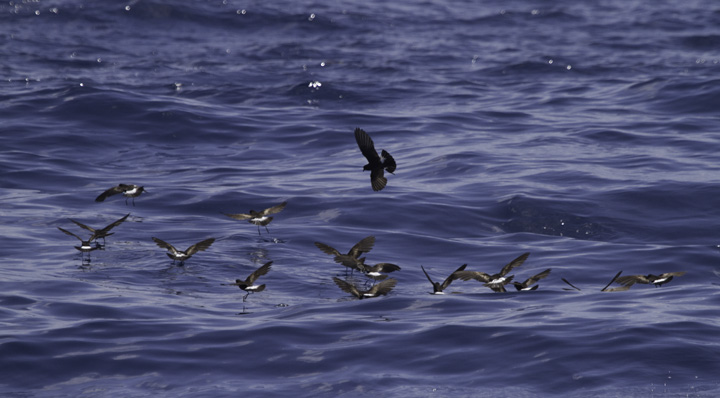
(585, 133)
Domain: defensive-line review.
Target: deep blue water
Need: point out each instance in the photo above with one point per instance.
(586, 134)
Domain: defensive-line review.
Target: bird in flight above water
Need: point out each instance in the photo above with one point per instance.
(376, 164)
(101, 233)
(439, 287)
(496, 282)
(376, 290)
(128, 190)
(248, 284)
(179, 255)
(259, 218)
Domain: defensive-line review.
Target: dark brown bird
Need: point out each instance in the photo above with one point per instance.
(85, 245)
(104, 232)
(248, 284)
(530, 283)
(128, 190)
(657, 280)
(376, 164)
(439, 287)
(379, 289)
(181, 256)
(496, 282)
(259, 218)
(350, 259)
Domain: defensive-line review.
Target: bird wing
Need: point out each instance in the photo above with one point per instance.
(377, 179)
(240, 216)
(200, 246)
(364, 246)
(669, 274)
(70, 233)
(452, 276)
(112, 191)
(388, 161)
(383, 287)
(630, 280)
(427, 276)
(383, 267)
(164, 245)
(274, 209)
(366, 145)
(347, 287)
(477, 275)
(114, 224)
(617, 278)
(514, 264)
(533, 279)
(573, 286)
(327, 249)
(83, 226)
(258, 273)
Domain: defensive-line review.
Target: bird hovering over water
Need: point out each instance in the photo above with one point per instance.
(259, 218)
(128, 190)
(376, 164)
(350, 259)
(248, 284)
(379, 289)
(181, 256)
(85, 245)
(496, 282)
(439, 287)
(104, 232)
(657, 280)
(530, 283)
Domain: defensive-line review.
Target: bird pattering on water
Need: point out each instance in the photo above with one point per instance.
(376, 164)
(248, 284)
(128, 190)
(179, 255)
(439, 287)
(376, 290)
(350, 259)
(259, 218)
(104, 232)
(496, 282)
(657, 280)
(530, 283)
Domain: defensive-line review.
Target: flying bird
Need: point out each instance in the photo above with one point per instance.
(530, 283)
(379, 289)
(439, 287)
(85, 245)
(350, 259)
(657, 280)
(496, 282)
(101, 233)
(376, 164)
(248, 284)
(128, 190)
(377, 271)
(259, 218)
(181, 256)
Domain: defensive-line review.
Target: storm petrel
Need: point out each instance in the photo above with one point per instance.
(376, 164)
(85, 246)
(439, 287)
(350, 259)
(101, 233)
(379, 289)
(181, 256)
(496, 282)
(657, 280)
(259, 218)
(530, 283)
(247, 284)
(128, 190)
(376, 271)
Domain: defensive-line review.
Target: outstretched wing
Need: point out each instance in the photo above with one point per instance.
(514, 264)
(427, 276)
(366, 146)
(452, 276)
(258, 273)
(377, 179)
(347, 287)
(240, 216)
(200, 246)
(630, 280)
(616, 278)
(113, 191)
(161, 243)
(83, 226)
(274, 209)
(114, 224)
(534, 279)
(364, 246)
(383, 287)
(70, 233)
(477, 275)
(327, 249)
